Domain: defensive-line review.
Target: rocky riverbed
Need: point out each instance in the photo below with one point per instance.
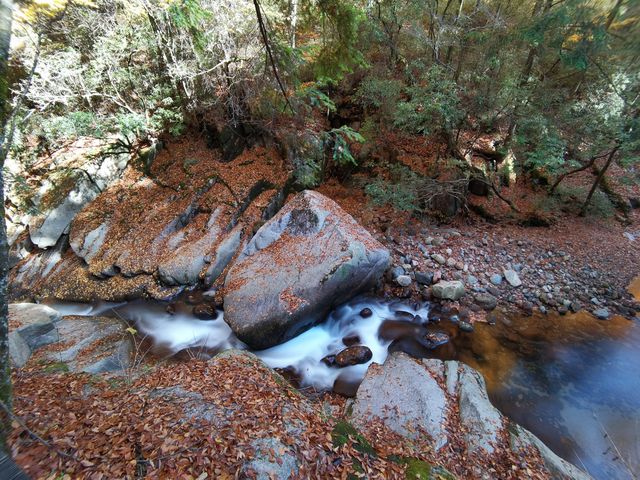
(512, 267)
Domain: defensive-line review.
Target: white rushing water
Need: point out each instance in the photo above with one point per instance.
(303, 354)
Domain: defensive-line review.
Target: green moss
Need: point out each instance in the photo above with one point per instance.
(56, 367)
(344, 432)
(417, 469)
(420, 470)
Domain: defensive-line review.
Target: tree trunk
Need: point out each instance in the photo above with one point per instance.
(456, 75)
(612, 14)
(583, 210)
(5, 369)
(582, 168)
(294, 22)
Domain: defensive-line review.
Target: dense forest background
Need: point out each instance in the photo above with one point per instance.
(554, 84)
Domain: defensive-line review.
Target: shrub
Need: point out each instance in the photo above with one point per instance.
(400, 191)
(59, 129)
(380, 94)
(434, 105)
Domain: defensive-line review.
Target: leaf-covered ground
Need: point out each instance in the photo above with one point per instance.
(212, 420)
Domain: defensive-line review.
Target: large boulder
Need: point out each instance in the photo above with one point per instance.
(73, 177)
(31, 327)
(415, 398)
(60, 205)
(308, 258)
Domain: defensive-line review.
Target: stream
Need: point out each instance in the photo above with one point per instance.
(572, 380)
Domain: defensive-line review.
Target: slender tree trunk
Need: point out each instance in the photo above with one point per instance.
(447, 58)
(5, 369)
(456, 75)
(265, 39)
(294, 22)
(612, 14)
(604, 169)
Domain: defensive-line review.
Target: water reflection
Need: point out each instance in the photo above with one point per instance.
(573, 381)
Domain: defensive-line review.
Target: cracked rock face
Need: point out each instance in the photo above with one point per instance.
(92, 345)
(152, 235)
(308, 258)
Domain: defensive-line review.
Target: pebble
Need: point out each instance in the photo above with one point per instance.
(486, 301)
(436, 257)
(465, 327)
(496, 279)
(512, 278)
(601, 313)
(403, 280)
(424, 278)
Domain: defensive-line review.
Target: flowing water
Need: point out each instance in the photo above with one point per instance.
(572, 380)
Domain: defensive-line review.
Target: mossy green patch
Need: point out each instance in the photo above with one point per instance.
(56, 367)
(420, 470)
(344, 432)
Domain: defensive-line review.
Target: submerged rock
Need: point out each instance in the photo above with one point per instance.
(205, 311)
(354, 355)
(308, 258)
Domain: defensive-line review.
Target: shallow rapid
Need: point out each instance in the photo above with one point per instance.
(178, 330)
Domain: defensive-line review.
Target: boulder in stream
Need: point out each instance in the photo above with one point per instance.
(308, 258)
(415, 397)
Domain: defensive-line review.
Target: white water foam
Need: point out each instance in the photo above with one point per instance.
(303, 354)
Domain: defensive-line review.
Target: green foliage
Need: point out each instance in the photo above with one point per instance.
(59, 129)
(434, 105)
(572, 197)
(190, 16)
(380, 94)
(417, 469)
(339, 139)
(338, 54)
(313, 96)
(310, 159)
(543, 145)
(400, 191)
